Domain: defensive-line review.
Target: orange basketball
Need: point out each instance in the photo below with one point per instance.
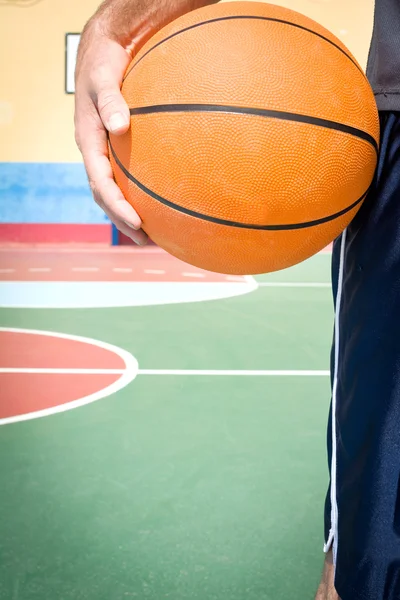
(253, 141)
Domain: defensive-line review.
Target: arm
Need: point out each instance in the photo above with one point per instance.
(108, 42)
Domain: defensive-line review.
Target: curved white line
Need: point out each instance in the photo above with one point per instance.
(84, 294)
(252, 282)
(128, 375)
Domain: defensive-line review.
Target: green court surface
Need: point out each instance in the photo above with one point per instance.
(205, 486)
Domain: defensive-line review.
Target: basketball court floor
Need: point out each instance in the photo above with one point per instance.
(162, 429)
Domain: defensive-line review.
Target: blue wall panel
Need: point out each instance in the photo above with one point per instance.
(47, 193)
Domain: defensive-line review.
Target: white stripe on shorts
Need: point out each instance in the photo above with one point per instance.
(333, 533)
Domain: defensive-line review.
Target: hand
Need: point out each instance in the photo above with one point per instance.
(99, 108)
(108, 43)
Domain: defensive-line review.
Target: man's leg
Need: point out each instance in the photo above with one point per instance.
(326, 590)
(362, 517)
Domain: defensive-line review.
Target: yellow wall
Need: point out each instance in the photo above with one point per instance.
(36, 116)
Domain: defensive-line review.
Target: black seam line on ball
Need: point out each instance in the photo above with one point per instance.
(253, 17)
(225, 222)
(259, 112)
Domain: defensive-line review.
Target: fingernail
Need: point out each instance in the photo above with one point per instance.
(117, 121)
(130, 225)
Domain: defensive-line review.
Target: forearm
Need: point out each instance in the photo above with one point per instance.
(125, 20)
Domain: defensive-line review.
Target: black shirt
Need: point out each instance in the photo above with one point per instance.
(383, 68)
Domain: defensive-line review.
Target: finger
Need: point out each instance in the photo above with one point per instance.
(109, 196)
(139, 237)
(136, 235)
(105, 82)
(126, 227)
(93, 145)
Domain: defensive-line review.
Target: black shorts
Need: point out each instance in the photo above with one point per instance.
(362, 513)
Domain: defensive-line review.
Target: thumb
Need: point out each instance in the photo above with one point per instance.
(110, 103)
(113, 109)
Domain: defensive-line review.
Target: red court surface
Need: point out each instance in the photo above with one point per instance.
(40, 371)
(32, 392)
(43, 263)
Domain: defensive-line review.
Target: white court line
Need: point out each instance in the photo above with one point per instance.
(234, 373)
(7, 270)
(85, 269)
(196, 275)
(154, 271)
(127, 375)
(235, 278)
(294, 284)
(116, 293)
(39, 269)
(176, 372)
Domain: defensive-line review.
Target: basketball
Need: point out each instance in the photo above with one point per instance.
(253, 141)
